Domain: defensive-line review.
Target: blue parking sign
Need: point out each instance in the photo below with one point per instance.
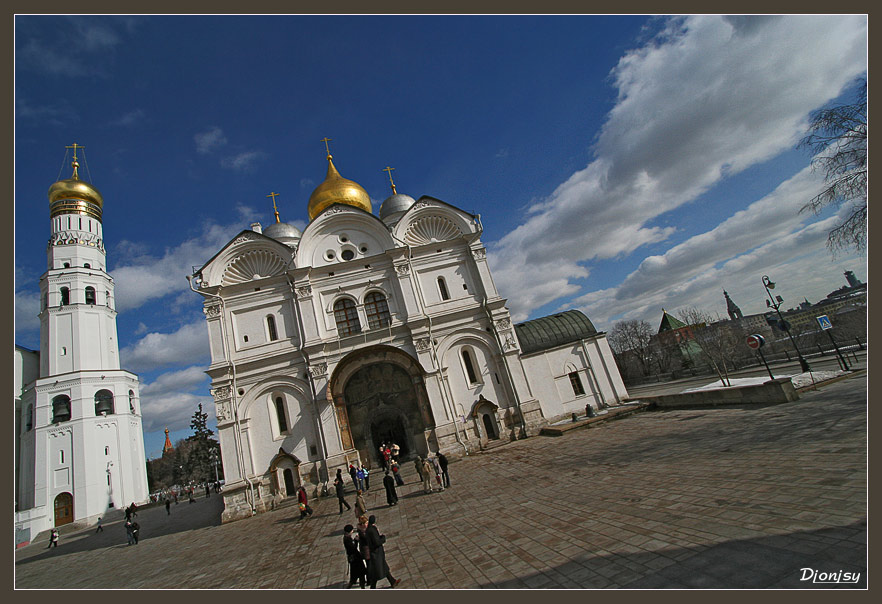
(824, 322)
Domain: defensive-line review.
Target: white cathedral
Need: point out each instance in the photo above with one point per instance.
(366, 329)
(79, 447)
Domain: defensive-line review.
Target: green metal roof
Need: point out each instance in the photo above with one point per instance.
(552, 331)
(669, 322)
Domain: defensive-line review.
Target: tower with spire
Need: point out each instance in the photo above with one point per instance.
(81, 447)
(732, 308)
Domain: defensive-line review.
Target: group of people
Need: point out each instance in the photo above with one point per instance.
(365, 554)
(430, 467)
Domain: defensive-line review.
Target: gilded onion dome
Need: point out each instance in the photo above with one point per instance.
(73, 196)
(336, 189)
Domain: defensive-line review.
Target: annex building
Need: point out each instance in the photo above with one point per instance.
(79, 447)
(368, 328)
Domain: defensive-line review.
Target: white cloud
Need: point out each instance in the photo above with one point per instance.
(173, 410)
(131, 118)
(143, 277)
(27, 307)
(210, 140)
(155, 350)
(243, 162)
(709, 98)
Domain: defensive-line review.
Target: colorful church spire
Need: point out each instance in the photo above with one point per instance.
(167, 446)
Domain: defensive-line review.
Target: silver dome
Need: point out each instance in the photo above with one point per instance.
(283, 232)
(396, 204)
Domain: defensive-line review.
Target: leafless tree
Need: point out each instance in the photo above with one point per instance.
(837, 136)
(632, 336)
(718, 341)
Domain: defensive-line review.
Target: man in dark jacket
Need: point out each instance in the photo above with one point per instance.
(391, 495)
(442, 461)
(340, 488)
(357, 571)
(377, 567)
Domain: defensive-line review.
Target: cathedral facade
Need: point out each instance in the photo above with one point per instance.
(79, 445)
(365, 329)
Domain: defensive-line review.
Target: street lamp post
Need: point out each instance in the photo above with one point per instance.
(213, 457)
(775, 302)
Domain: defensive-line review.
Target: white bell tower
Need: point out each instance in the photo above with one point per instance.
(82, 445)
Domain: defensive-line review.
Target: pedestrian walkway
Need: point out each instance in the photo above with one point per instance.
(723, 498)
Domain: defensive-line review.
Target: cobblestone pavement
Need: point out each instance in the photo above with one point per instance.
(711, 498)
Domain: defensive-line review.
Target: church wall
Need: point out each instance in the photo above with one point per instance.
(548, 372)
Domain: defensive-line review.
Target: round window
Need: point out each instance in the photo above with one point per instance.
(364, 249)
(347, 255)
(329, 254)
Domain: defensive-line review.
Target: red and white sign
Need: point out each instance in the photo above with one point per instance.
(755, 341)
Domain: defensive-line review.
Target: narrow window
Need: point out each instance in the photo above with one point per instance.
(107, 450)
(67, 265)
(271, 328)
(280, 413)
(469, 366)
(346, 316)
(104, 402)
(442, 287)
(245, 338)
(576, 382)
(106, 298)
(87, 265)
(60, 409)
(132, 401)
(65, 296)
(377, 310)
(61, 456)
(90, 295)
(45, 300)
(81, 224)
(29, 418)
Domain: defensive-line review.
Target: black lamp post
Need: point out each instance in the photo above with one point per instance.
(776, 304)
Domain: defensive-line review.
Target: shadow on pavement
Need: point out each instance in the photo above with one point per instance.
(154, 522)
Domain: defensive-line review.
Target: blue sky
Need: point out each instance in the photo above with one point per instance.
(621, 164)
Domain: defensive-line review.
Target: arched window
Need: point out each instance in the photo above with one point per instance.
(576, 383)
(442, 287)
(90, 295)
(65, 296)
(280, 413)
(132, 401)
(346, 316)
(87, 265)
(29, 418)
(60, 408)
(271, 328)
(106, 298)
(377, 310)
(45, 300)
(104, 402)
(469, 366)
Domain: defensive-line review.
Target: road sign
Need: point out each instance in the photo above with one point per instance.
(824, 322)
(755, 341)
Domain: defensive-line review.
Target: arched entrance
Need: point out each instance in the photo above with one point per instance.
(290, 487)
(490, 426)
(286, 466)
(63, 509)
(380, 397)
(484, 413)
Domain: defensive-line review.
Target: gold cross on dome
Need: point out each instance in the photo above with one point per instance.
(388, 170)
(327, 148)
(74, 147)
(273, 194)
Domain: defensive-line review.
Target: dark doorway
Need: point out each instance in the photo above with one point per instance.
(489, 426)
(63, 509)
(389, 430)
(290, 487)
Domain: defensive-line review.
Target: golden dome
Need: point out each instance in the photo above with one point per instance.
(336, 189)
(73, 196)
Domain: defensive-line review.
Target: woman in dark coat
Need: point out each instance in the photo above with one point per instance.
(354, 557)
(377, 567)
(391, 495)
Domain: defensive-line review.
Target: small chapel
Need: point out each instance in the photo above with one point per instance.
(369, 328)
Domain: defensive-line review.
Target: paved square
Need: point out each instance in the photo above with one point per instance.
(721, 498)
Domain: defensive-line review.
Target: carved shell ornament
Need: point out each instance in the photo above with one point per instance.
(431, 229)
(253, 265)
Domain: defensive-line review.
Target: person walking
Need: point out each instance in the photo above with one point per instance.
(396, 473)
(136, 532)
(436, 468)
(391, 495)
(207, 491)
(367, 478)
(426, 474)
(129, 537)
(360, 506)
(442, 461)
(100, 528)
(167, 506)
(340, 488)
(418, 462)
(359, 475)
(303, 503)
(357, 570)
(354, 474)
(377, 567)
(53, 538)
(395, 451)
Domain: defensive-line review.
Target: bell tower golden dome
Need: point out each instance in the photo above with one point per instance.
(73, 196)
(336, 189)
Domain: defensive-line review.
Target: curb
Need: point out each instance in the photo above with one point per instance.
(608, 416)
